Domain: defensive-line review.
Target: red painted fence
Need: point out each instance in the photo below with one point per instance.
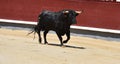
(96, 14)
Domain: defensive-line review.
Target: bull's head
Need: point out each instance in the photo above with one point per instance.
(71, 15)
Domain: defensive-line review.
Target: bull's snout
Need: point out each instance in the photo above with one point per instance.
(74, 21)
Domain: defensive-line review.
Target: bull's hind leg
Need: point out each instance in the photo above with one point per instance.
(60, 38)
(45, 34)
(38, 32)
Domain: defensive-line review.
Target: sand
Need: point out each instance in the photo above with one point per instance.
(17, 48)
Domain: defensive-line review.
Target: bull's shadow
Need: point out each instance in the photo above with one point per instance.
(67, 46)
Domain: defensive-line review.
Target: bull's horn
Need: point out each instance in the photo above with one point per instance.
(65, 11)
(78, 12)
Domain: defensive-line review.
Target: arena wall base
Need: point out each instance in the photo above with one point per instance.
(74, 29)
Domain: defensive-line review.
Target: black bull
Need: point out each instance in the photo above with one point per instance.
(57, 21)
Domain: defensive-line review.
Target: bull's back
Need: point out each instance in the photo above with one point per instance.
(47, 20)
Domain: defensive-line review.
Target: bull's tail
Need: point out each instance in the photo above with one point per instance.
(34, 30)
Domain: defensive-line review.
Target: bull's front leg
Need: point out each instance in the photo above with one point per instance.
(60, 37)
(68, 36)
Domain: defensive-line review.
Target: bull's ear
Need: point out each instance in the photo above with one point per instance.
(65, 13)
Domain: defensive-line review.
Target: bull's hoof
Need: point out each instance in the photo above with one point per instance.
(61, 44)
(46, 43)
(65, 41)
(40, 41)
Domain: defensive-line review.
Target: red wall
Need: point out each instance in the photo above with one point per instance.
(20, 9)
(96, 14)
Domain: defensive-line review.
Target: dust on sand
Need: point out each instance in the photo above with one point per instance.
(17, 48)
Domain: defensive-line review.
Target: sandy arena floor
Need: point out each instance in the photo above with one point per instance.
(17, 48)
